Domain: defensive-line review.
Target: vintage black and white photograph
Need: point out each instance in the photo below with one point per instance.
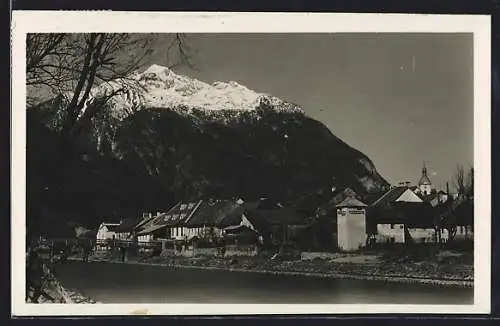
(251, 168)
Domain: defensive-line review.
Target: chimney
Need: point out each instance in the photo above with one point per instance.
(150, 215)
(447, 189)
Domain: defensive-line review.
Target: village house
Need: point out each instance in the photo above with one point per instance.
(152, 229)
(399, 216)
(169, 225)
(207, 223)
(140, 226)
(125, 230)
(105, 234)
(175, 221)
(275, 226)
(106, 231)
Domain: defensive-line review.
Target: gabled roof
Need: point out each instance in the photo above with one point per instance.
(179, 214)
(110, 226)
(144, 221)
(351, 202)
(176, 216)
(211, 213)
(234, 217)
(239, 230)
(391, 196)
(127, 225)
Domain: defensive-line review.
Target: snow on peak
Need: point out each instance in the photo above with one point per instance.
(159, 86)
(157, 69)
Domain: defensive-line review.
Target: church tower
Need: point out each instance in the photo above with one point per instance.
(425, 185)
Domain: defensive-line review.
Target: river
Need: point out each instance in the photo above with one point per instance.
(123, 283)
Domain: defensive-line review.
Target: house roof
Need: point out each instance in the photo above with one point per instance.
(391, 196)
(211, 213)
(150, 229)
(351, 202)
(239, 230)
(127, 225)
(176, 216)
(179, 214)
(143, 221)
(234, 216)
(110, 220)
(111, 227)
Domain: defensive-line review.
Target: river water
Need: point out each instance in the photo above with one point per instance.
(122, 283)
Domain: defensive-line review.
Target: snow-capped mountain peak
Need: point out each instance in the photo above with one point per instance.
(160, 87)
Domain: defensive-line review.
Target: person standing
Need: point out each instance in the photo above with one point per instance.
(123, 253)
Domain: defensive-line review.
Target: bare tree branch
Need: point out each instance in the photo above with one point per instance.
(72, 64)
(459, 179)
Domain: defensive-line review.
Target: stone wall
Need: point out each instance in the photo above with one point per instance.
(234, 250)
(231, 250)
(321, 255)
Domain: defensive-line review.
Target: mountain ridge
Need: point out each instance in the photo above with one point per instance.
(237, 143)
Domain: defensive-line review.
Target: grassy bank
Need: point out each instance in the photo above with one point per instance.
(447, 268)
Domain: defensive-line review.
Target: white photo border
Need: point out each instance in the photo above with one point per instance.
(24, 22)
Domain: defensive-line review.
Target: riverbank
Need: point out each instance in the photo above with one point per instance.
(57, 293)
(444, 270)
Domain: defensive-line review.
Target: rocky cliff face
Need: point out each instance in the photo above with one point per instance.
(200, 140)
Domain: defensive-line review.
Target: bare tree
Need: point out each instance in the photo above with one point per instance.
(464, 183)
(459, 179)
(70, 65)
(470, 179)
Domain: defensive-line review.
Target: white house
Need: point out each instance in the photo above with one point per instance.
(351, 224)
(106, 231)
(397, 208)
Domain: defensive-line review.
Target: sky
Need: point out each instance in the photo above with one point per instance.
(401, 99)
